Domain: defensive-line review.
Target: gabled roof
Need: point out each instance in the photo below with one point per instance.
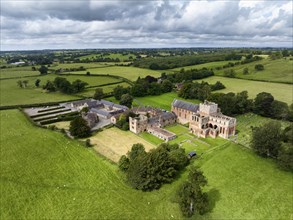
(185, 105)
(101, 112)
(168, 115)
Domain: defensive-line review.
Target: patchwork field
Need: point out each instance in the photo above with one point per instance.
(113, 143)
(280, 70)
(131, 73)
(281, 92)
(12, 94)
(161, 101)
(51, 176)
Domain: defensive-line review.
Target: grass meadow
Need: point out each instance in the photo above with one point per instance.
(46, 175)
(280, 70)
(210, 65)
(128, 72)
(282, 92)
(11, 94)
(17, 72)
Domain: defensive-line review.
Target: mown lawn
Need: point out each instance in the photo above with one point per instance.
(161, 101)
(45, 175)
(131, 73)
(280, 70)
(113, 143)
(281, 92)
(11, 94)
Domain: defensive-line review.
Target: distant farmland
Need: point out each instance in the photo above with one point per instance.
(281, 92)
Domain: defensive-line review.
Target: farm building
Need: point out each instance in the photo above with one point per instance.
(153, 125)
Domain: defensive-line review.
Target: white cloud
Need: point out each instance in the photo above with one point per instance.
(77, 24)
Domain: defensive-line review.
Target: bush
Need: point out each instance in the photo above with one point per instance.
(259, 67)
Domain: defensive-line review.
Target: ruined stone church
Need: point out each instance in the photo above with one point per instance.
(204, 119)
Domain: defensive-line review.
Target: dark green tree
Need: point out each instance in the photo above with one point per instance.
(245, 71)
(263, 104)
(123, 163)
(49, 86)
(19, 83)
(99, 94)
(280, 110)
(259, 67)
(285, 156)
(136, 150)
(167, 86)
(43, 70)
(191, 198)
(37, 82)
(126, 100)
(119, 91)
(79, 128)
(78, 86)
(266, 140)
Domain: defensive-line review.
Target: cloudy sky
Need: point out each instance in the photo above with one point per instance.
(56, 24)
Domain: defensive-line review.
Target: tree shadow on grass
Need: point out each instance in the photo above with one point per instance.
(214, 196)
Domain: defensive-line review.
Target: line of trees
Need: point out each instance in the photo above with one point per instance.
(187, 75)
(199, 91)
(63, 85)
(264, 104)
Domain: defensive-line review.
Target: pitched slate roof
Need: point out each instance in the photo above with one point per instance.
(185, 105)
(167, 115)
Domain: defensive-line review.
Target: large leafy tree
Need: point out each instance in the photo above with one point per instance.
(43, 70)
(126, 100)
(148, 171)
(99, 94)
(191, 198)
(79, 128)
(266, 140)
(263, 104)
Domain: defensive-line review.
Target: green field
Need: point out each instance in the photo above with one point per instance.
(109, 88)
(246, 122)
(77, 65)
(131, 73)
(17, 72)
(280, 70)
(282, 92)
(11, 94)
(210, 65)
(50, 176)
(161, 101)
